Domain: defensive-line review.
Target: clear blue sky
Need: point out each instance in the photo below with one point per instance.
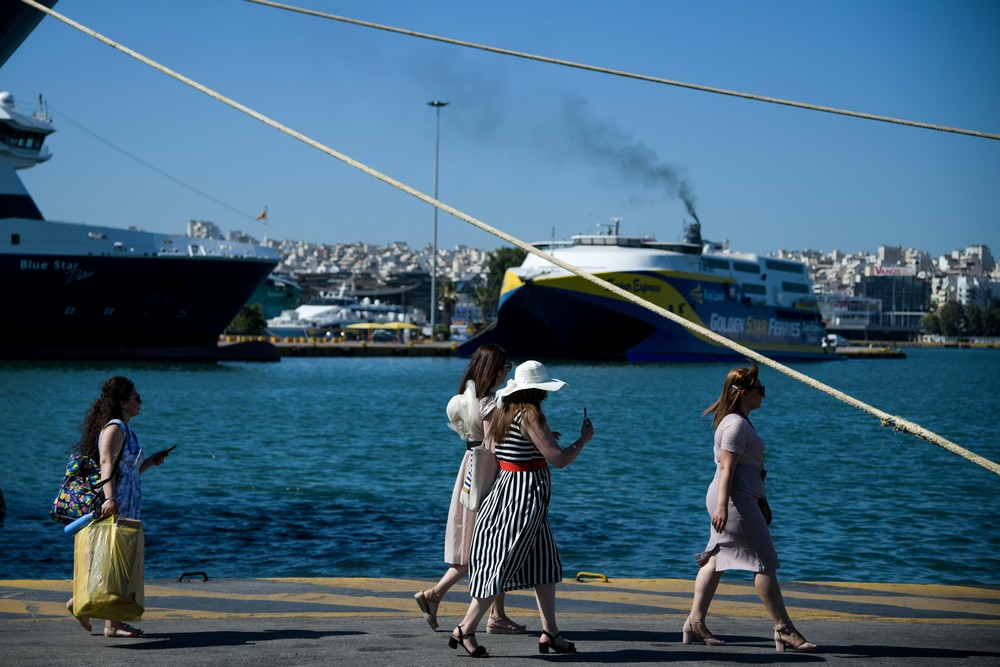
(534, 149)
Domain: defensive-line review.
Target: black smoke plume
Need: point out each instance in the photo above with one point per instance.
(606, 145)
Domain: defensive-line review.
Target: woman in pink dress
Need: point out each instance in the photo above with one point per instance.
(487, 370)
(737, 503)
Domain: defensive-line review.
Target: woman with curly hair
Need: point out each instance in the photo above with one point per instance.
(107, 438)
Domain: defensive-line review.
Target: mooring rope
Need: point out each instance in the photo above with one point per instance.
(629, 75)
(896, 422)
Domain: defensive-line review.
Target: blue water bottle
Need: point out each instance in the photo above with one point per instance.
(80, 523)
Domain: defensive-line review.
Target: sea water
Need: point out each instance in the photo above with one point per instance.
(343, 467)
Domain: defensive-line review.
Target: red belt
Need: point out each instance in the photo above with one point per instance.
(523, 467)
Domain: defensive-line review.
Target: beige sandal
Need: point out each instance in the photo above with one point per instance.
(424, 604)
(122, 630)
(503, 626)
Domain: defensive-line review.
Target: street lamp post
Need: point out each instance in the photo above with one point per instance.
(437, 143)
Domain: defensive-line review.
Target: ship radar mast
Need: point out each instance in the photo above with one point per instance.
(614, 227)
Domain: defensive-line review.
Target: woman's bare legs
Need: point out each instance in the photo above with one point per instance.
(452, 576)
(769, 593)
(477, 609)
(499, 622)
(705, 585)
(545, 598)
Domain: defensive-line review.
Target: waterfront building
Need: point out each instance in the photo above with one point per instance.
(863, 294)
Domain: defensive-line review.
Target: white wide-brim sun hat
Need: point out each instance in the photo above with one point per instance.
(530, 375)
(462, 411)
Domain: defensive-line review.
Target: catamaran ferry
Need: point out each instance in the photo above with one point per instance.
(764, 303)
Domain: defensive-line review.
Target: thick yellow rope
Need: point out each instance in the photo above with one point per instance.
(897, 423)
(630, 75)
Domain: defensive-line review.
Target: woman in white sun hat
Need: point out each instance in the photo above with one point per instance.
(468, 415)
(512, 544)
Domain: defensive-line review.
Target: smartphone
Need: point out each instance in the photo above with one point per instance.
(585, 419)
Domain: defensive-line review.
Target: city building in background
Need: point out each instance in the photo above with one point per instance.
(882, 295)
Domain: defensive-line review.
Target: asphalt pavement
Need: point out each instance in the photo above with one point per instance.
(376, 622)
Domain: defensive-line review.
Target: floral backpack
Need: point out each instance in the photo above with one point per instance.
(82, 489)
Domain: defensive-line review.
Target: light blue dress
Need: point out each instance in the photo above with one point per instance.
(128, 488)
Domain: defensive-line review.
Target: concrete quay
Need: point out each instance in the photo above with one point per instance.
(376, 622)
(366, 349)
(267, 349)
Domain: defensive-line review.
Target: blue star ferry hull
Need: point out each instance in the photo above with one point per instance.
(124, 305)
(76, 291)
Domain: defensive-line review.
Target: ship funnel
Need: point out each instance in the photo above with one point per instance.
(692, 234)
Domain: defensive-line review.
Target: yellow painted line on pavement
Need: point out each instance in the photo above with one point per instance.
(921, 590)
(382, 598)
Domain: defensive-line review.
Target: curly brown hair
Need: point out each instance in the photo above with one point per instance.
(105, 407)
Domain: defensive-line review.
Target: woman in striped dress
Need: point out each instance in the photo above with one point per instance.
(512, 544)
(486, 371)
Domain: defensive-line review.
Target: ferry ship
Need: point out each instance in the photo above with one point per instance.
(75, 291)
(764, 303)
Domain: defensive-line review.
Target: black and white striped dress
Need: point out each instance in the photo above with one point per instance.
(512, 545)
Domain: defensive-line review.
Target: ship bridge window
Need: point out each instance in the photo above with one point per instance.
(716, 263)
(798, 288)
(20, 139)
(746, 267)
(610, 240)
(754, 289)
(787, 267)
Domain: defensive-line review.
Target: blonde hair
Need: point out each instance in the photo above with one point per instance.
(738, 382)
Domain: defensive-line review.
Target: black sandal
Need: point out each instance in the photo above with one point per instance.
(453, 642)
(544, 648)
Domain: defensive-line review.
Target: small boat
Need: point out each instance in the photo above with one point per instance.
(871, 352)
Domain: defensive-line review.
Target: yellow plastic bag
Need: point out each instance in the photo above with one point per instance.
(108, 570)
